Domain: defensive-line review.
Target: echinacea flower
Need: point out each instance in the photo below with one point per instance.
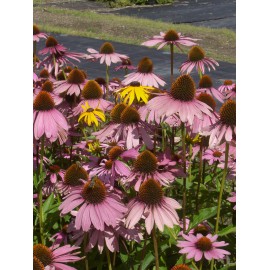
(61, 236)
(54, 257)
(231, 94)
(181, 267)
(126, 125)
(92, 94)
(232, 199)
(213, 155)
(152, 205)
(106, 54)
(181, 101)
(52, 47)
(97, 205)
(198, 246)
(170, 37)
(55, 172)
(144, 75)
(134, 93)
(112, 86)
(37, 34)
(227, 85)
(197, 59)
(126, 65)
(74, 84)
(147, 165)
(91, 116)
(225, 127)
(48, 121)
(206, 86)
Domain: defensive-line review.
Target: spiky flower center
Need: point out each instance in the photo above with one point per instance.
(126, 62)
(196, 53)
(145, 65)
(100, 81)
(183, 88)
(35, 30)
(150, 192)
(116, 112)
(60, 76)
(92, 90)
(130, 116)
(76, 77)
(107, 48)
(51, 42)
(228, 113)
(54, 168)
(73, 175)
(47, 86)
(202, 229)
(207, 99)
(228, 82)
(135, 84)
(108, 164)
(205, 82)
(43, 102)
(68, 69)
(204, 244)
(43, 254)
(171, 35)
(181, 267)
(217, 154)
(94, 191)
(115, 152)
(44, 74)
(146, 162)
(37, 264)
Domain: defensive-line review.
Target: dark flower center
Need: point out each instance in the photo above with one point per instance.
(207, 99)
(202, 229)
(171, 35)
(126, 62)
(196, 53)
(76, 76)
(35, 30)
(100, 81)
(51, 42)
(150, 192)
(129, 116)
(135, 84)
(183, 88)
(37, 264)
(115, 152)
(68, 69)
(73, 174)
(145, 65)
(43, 254)
(234, 89)
(65, 228)
(228, 113)
(107, 48)
(47, 86)
(181, 267)
(228, 82)
(43, 102)
(54, 168)
(205, 82)
(60, 76)
(92, 90)
(217, 154)
(204, 244)
(94, 191)
(108, 164)
(44, 74)
(116, 112)
(146, 162)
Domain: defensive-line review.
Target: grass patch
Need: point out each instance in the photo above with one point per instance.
(218, 43)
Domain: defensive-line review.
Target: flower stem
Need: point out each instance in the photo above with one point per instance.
(155, 247)
(183, 131)
(107, 82)
(40, 185)
(201, 265)
(171, 50)
(200, 176)
(108, 258)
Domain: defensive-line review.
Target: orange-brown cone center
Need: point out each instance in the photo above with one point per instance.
(116, 112)
(92, 90)
(76, 76)
(204, 244)
(107, 48)
(130, 116)
(171, 35)
(51, 42)
(146, 162)
(145, 65)
(43, 102)
(43, 254)
(73, 175)
(207, 99)
(196, 53)
(228, 113)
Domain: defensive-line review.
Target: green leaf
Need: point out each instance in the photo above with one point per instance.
(48, 203)
(148, 259)
(227, 230)
(227, 267)
(203, 215)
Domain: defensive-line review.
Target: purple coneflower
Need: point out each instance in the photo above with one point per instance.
(181, 267)
(54, 257)
(47, 120)
(52, 47)
(61, 236)
(213, 155)
(232, 199)
(126, 65)
(144, 75)
(181, 101)
(231, 94)
(197, 59)
(227, 85)
(97, 205)
(153, 206)
(198, 246)
(37, 34)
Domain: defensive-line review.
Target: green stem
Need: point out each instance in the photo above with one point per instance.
(183, 131)
(143, 250)
(194, 265)
(201, 265)
(171, 50)
(108, 258)
(200, 73)
(107, 82)
(155, 247)
(200, 176)
(190, 162)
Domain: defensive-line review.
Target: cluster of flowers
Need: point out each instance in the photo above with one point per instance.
(101, 150)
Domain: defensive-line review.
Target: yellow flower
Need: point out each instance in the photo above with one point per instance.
(135, 92)
(91, 115)
(94, 147)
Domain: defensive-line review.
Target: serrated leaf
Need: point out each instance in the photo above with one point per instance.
(227, 230)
